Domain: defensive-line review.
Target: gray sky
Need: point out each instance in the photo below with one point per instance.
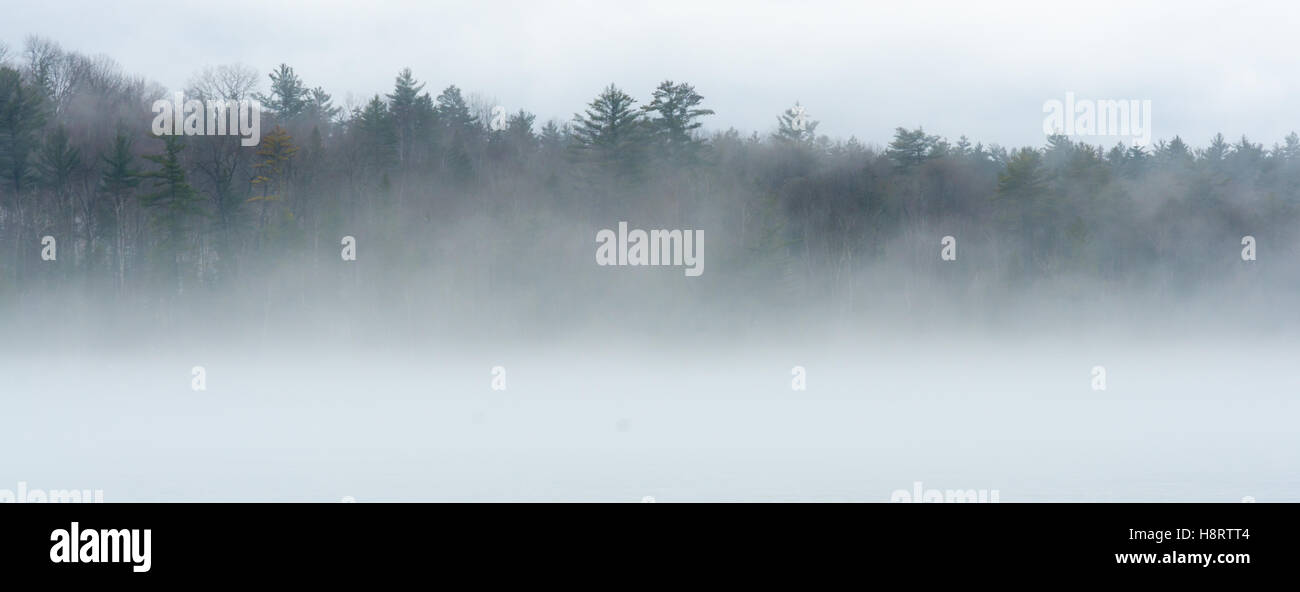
(861, 68)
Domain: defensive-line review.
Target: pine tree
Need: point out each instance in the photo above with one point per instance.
(610, 133)
(553, 136)
(377, 136)
(911, 147)
(58, 161)
(794, 127)
(461, 133)
(1136, 159)
(173, 204)
(22, 114)
(675, 113)
(1024, 176)
(454, 112)
(1217, 151)
(274, 156)
(403, 103)
(288, 98)
(319, 107)
(1291, 150)
(118, 184)
(517, 140)
(1024, 207)
(963, 146)
(425, 130)
(1175, 153)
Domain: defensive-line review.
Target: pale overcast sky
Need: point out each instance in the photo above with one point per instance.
(861, 68)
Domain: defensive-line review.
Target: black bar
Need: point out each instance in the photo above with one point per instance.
(319, 542)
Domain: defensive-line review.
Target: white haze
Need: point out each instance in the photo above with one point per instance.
(1199, 403)
(1208, 421)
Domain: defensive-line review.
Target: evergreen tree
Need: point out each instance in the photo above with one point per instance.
(1291, 150)
(455, 113)
(288, 98)
(58, 161)
(173, 204)
(517, 140)
(118, 183)
(519, 128)
(319, 107)
(1024, 176)
(911, 147)
(610, 133)
(794, 126)
(1217, 151)
(461, 133)
(1175, 153)
(675, 113)
(274, 156)
(1024, 206)
(377, 135)
(22, 114)
(553, 136)
(404, 104)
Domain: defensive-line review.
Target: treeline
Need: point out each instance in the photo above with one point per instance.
(135, 212)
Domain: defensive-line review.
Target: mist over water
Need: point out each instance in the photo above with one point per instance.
(579, 422)
(1199, 405)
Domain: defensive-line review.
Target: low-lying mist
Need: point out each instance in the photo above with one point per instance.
(542, 376)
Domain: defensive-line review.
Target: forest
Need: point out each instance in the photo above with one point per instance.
(457, 220)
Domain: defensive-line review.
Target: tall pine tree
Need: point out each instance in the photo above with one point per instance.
(610, 133)
(173, 204)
